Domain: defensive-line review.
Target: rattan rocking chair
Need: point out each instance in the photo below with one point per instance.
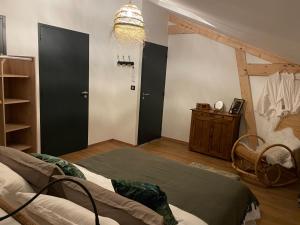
(253, 164)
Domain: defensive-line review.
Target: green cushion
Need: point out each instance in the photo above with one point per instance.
(68, 168)
(147, 194)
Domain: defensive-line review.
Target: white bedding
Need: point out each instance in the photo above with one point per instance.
(183, 217)
(9, 221)
(12, 183)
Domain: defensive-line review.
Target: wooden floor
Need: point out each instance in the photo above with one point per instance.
(278, 205)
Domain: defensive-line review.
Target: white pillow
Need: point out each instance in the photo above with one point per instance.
(9, 221)
(11, 182)
(59, 211)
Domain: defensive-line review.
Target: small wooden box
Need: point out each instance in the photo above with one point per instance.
(203, 106)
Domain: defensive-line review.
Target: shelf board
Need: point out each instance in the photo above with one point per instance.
(10, 127)
(9, 101)
(19, 147)
(14, 76)
(24, 58)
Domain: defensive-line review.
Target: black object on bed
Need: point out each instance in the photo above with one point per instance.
(216, 199)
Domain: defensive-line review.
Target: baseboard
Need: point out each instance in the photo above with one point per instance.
(122, 142)
(112, 140)
(175, 140)
(101, 142)
(131, 145)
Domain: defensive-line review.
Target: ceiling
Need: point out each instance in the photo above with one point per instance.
(273, 25)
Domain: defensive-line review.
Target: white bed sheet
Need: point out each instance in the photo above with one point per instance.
(183, 217)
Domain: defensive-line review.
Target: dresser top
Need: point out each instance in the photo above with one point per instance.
(211, 111)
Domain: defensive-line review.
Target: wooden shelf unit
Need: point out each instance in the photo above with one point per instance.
(10, 127)
(20, 147)
(18, 103)
(9, 101)
(14, 76)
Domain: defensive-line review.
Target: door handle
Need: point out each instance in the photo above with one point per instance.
(145, 94)
(85, 94)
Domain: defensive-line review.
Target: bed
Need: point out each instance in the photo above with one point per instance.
(211, 198)
(196, 197)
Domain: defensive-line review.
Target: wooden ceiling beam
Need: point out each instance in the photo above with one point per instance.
(183, 25)
(174, 29)
(269, 69)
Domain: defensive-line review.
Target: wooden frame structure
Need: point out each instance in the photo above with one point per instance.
(277, 64)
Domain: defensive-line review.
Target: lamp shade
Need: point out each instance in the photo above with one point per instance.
(129, 24)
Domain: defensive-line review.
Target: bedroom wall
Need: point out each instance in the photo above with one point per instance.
(199, 70)
(80, 15)
(156, 20)
(202, 70)
(113, 107)
(126, 113)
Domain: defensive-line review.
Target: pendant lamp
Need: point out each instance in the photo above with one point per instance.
(129, 24)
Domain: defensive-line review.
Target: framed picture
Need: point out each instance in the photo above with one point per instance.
(236, 106)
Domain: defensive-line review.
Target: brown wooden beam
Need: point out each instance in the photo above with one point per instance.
(230, 41)
(269, 69)
(246, 92)
(174, 29)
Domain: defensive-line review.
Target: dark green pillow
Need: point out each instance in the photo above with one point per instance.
(68, 168)
(147, 194)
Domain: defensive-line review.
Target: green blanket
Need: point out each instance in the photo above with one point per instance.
(216, 199)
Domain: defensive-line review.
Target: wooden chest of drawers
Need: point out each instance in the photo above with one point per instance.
(213, 133)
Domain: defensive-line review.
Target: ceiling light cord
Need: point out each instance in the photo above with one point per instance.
(46, 187)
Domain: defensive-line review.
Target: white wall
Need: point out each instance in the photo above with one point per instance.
(156, 20)
(126, 113)
(113, 107)
(199, 70)
(202, 70)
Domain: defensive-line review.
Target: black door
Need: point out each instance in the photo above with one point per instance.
(64, 85)
(152, 92)
(2, 36)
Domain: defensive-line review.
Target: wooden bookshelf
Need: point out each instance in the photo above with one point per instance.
(14, 76)
(10, 127)
(20, 147)
(18, 103)
(8, 101)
